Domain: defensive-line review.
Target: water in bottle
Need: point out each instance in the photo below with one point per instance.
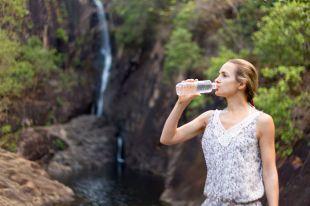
(185, 88)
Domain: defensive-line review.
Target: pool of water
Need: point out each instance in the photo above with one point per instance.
(111, 187)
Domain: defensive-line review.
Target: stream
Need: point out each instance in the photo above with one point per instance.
(109, 188)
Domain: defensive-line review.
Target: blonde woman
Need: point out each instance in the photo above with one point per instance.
(237, 142)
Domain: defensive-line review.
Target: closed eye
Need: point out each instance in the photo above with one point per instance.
(223, 74)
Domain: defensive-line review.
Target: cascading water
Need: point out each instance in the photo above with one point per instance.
(106, 59)
(105, 56)
(120, 155)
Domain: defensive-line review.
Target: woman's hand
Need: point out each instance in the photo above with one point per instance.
(188, 97)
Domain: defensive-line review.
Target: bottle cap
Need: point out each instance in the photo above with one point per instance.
(213, 85)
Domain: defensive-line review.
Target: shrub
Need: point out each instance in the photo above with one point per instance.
(181, 53)
(282, 35)
(278, 101)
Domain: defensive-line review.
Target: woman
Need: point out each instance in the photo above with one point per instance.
(237, 142)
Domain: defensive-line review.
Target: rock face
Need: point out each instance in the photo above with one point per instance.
(186, 175)
(87, 145)
(294, 175)
(138, 104)
(23, 181)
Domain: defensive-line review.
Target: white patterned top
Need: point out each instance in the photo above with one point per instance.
(233, 160)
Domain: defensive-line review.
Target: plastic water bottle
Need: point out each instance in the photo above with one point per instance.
(185, 88)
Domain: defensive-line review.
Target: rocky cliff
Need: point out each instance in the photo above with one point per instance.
(136, 106)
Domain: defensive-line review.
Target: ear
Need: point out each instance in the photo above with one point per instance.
(242, 85)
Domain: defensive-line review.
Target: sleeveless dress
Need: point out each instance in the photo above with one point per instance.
(234, 166)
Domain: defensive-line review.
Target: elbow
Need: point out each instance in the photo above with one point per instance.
(164, 141)
(167, 139)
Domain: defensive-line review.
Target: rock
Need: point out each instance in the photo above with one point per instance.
(186, 175)
(88, 145)
(23, 181)
(294, 175)
(38, 144)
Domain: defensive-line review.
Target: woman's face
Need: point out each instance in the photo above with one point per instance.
(226, 83)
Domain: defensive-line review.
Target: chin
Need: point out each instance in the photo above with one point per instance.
(217, 93)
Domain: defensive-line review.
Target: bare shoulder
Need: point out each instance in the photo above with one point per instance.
(207, 116)
(265, 124)
(264, 119)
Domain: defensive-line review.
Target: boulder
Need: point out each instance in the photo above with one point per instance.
(23, 181)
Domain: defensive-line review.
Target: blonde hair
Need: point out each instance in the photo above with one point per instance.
(247, 73)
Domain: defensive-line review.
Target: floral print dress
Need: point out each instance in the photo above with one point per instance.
(234, 166)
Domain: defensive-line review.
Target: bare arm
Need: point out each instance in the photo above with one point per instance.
(266, 131)
(172, 134)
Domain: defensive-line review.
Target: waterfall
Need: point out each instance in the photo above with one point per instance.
(120, 148)
(120, 154)
(105, 56)
(106, 60)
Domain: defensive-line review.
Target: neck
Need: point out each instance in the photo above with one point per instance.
(237, 104)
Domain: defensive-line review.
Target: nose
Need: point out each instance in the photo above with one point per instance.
(217, 80)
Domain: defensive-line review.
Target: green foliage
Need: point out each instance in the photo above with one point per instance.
(135, 17)
(283, 34)
(236, 33)
(19, 64)
(62, 35)
(15, 79)
(279, 102)
(217, 62)
(9, 50)
(43, 60)
(12, 15)
(187, 16)
(6, 129)
(59, 144)
(181, 52)
(13, 73)
(9, 141)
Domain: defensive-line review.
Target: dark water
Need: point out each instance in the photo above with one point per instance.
(110, 188)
